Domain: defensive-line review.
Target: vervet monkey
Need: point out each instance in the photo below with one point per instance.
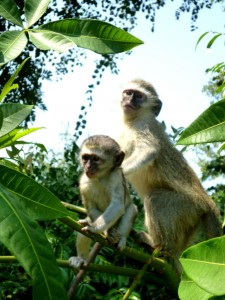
(175, 202)
(104, 195)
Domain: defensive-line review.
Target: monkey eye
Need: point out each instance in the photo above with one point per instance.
(85, 157)
(96, 158)
(128, 92)
(139, 96)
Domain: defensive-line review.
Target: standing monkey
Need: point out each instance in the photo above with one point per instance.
(175, 202)
(104, 195)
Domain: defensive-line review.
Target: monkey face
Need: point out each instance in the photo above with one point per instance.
(91, 164)
(132, 100)
(139, 97)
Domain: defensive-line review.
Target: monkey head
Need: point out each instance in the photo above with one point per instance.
(138, 96)
(99, 155)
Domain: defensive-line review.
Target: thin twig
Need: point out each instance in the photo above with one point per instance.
(137, 279)
(81, 273)
(74, 208)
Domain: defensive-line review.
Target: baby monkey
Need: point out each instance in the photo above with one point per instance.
(104, 194)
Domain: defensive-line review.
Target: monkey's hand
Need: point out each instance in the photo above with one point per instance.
(76, 262)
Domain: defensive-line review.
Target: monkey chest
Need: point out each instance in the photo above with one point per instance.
(96, 195)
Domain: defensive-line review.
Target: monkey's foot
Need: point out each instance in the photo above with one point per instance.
(113, 236)
(83, 222)
(76, 262)
(143, 238)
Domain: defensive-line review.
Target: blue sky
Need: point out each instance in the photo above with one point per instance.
(168, 59)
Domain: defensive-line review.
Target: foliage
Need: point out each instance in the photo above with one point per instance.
(27, 207)
(209, 126)
(203, 266)
(62, 35)
(49, 65)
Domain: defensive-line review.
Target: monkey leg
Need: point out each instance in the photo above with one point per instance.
(142, 237)
(125, 224)
(82, 246)
(171, 219)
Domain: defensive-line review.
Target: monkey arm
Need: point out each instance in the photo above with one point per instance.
(135, 161)
(113, 212)
(110, 216)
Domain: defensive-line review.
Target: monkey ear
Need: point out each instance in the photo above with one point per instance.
(156, 107)
(119, 159)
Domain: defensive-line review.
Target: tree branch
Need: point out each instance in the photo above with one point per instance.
(165, 270)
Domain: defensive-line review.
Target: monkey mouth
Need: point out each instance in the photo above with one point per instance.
(128, 107)
(90, 174)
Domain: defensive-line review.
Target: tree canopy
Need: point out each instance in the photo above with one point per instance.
(48, 65)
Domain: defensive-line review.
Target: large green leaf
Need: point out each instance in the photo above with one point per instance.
(10, 12)
(204, 264)
(14, 135)
(209, 127)
(12, 44)
(25, 239)
(13, 115)
(50, 41)
(188, 290)
(34, 9)
(98, 36)
(35, 199)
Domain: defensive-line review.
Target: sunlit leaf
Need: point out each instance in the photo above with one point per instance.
(13, 115)
(26, 240)
(98, 36)
(50, 41)
(35, 199)
(34, 9)
(201, 37)
(204, 264)
(187, 287)
(14, 135)
(12, 44)
(8, 86)
(210, 43)
(209, 127)
(10, 12)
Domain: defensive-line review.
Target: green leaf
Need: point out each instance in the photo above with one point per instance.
(13, 115)
(9, 164)
(10, 12)
(25, 239)
(98, 36)
(34, 9)
(35, 199)
(8, 86)
(204, 264)
(12, 44)
(10, 138)
(209, 127)
(209, 45)
(201, 37)
(50, 41)
(187, 287)
(1, 117)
